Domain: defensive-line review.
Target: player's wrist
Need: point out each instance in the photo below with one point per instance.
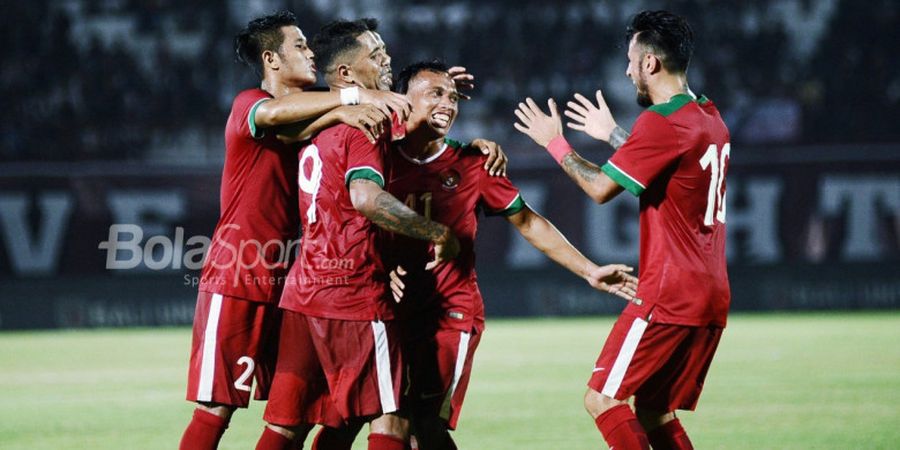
(559, 147)
(350, 96)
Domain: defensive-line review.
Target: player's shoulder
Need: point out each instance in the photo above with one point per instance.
(250, 96)
(464, 152)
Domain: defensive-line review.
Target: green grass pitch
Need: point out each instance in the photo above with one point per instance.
(796, 381)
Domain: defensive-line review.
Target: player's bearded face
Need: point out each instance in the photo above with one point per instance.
(435, 101)
(635, 71)
(373, 65)
(643, 92)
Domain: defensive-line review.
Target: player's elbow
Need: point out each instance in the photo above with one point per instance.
(601, 197)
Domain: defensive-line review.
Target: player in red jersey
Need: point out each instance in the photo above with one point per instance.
(675, 159)
(443, 308)
(236, 320)
(339, 357)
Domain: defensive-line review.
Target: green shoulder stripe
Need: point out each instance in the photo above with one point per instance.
(514, 207)
(674, 104)
(251, 118)
(364, 172)
(623, 179)
(454, 143)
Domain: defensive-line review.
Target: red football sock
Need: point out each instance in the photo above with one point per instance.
(385, 442)
(670, 436)
(329, 439)
(621, 429)
(204, 431)
(273, 440)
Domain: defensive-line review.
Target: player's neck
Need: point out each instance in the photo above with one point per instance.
(421, 144)
(668, 87)
(277, 89)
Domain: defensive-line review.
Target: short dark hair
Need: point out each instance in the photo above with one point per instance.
(401, 86)
(337, 39)
(260, 35)
(667, 35)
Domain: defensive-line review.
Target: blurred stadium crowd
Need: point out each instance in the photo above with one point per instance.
(148, 80)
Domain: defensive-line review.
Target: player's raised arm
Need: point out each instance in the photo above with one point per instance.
(546, 131)
(392, 215)
(539, 232)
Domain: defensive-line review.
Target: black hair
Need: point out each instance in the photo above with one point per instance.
(337, 39)
(401, 86)
(667, 35)
(260, 35)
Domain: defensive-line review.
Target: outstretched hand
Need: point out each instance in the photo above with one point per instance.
(596, 121)
(615, 279)
(535, 124)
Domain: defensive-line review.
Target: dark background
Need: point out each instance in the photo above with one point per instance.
(114, 113)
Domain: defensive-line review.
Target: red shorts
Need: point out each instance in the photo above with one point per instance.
(439, 364)
(235, 342)
(663, 366)
(330, 371)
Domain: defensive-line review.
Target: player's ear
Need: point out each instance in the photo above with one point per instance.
(345, 74)
(271, 60)
(652, 63)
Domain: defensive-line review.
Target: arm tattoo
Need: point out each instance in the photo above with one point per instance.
(618, 137)
(583, 172)
(394, 216)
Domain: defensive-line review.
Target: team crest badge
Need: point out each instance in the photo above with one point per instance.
(450, 179)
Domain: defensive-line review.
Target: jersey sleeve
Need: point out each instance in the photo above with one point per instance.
(364, 159)
(651, 148)
(499, 196)
(245, 107)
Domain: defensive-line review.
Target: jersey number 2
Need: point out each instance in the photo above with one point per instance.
(715, 161)
(310, 182)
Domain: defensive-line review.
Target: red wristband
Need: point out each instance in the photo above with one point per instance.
(559, 147)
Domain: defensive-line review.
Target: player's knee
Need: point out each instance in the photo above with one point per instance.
(596, 403)
(295, 433)
(223, 411)
(390, 424)
(651, 419)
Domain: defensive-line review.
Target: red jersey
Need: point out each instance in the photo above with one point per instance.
(676, 160)
(250, 249)
(450, 187)
(339, 274)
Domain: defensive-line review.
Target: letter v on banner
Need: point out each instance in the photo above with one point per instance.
(34, 252)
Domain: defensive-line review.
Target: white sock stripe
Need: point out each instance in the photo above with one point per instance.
(383, 368)
(208, 361)
(623, 360)
(461, 354)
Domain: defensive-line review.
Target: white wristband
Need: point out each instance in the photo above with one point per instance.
(350, 96)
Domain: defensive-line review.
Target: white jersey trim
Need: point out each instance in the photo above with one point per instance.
(383, 368)
(358, 168)
(461, 354)
(626, 174)
(623, 360)
(421, 162)
(208, 361)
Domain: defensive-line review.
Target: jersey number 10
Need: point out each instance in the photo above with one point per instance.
(715, 161)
